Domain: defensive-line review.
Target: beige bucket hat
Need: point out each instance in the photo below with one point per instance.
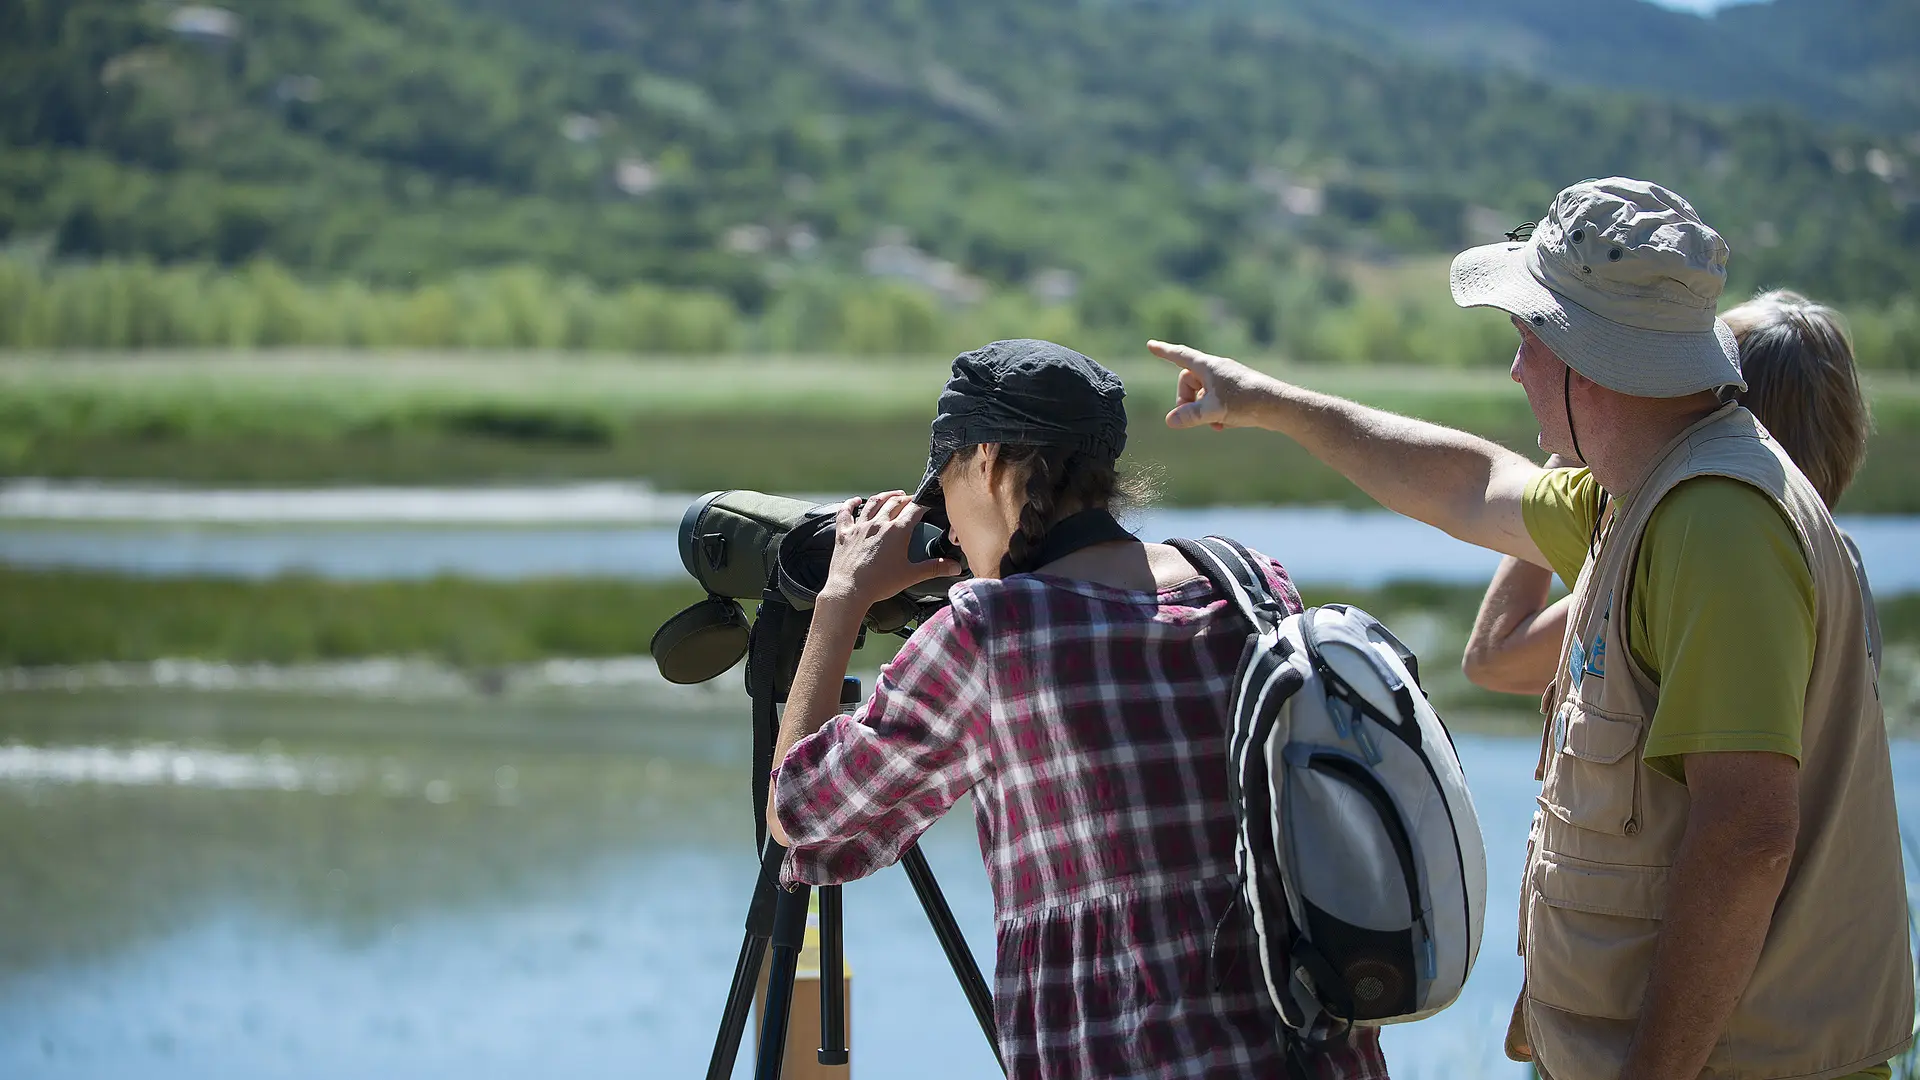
(1621, 279)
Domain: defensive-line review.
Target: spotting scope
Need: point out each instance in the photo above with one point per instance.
(740, 545)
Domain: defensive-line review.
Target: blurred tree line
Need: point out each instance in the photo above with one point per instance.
(140, 305)
(680, 175)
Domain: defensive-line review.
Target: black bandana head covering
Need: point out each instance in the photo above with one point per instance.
(1025, 392)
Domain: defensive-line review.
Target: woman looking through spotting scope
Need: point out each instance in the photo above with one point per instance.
(1078, 687)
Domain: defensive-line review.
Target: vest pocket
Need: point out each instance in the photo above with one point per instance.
(1595, 779)
(1591, 931)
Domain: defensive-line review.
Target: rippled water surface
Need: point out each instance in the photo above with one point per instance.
(1361, 548)
(231, 885)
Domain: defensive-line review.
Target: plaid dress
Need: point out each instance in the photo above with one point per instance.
(1090, 724)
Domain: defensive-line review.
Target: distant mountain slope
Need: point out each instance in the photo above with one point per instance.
(1124, 147)
(1228, 113)
(1869, 49)
(1856, 61)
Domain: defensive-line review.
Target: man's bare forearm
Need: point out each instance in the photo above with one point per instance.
(1517, 635)
(815, 696)
(1724, 883)
(1450, 479)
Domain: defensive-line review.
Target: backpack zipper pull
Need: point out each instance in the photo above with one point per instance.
(1214, 974)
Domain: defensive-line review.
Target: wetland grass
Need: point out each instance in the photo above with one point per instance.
(769, 422)
(62, 617)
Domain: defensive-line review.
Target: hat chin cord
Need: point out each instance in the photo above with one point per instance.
(1566, 400)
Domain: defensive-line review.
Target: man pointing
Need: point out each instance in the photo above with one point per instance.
(1714, 882)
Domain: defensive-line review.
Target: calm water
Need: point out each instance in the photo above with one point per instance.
(245, 886)
(1324, 546)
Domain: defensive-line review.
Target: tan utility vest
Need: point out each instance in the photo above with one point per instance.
(1833, 992)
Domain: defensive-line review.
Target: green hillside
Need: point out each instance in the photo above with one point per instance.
(1226, 170)
(1851, 61)
(1868, 50)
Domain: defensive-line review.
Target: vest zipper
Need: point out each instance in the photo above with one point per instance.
(1639, 766)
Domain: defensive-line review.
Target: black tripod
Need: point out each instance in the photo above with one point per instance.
(778, 918)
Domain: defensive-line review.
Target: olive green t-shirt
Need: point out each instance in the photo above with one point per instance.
(1722, 612)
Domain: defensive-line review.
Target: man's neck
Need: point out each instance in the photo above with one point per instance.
(1625, 449)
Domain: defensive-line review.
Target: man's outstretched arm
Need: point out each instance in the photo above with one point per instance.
(1468, 486)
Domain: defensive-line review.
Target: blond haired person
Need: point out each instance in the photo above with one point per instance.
(1735, 909)
(1801, 384)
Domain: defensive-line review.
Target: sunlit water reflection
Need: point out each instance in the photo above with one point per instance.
(1322, 545)
(248, 885)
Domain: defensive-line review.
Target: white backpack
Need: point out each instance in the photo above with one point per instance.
(1359, 851)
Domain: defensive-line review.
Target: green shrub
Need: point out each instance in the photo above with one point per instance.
(136, 305)
(889, 319)
(1888, 337)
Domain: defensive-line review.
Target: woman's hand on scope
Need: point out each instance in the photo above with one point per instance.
(1212, 389)
(870, 550)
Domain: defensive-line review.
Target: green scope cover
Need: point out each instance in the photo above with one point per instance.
(729, 540)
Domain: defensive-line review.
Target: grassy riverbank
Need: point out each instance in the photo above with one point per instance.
(776, 423)
(67, 617)
(73, 617)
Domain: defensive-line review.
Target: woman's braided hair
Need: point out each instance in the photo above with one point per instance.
(1060, 481)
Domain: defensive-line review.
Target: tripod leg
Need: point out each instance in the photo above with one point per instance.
(733, 1022)
(789, 932)
(833, 980)
(955, 944)
(833, 969)
(760, 918)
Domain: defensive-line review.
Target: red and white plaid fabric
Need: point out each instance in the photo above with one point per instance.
(1090, 724)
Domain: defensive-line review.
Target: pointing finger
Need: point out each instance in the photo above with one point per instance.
(1183, 355)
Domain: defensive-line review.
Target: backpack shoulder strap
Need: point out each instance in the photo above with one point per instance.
(1231, 569)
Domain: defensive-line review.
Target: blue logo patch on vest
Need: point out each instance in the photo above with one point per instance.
(1597, 652)
(1590, 659)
